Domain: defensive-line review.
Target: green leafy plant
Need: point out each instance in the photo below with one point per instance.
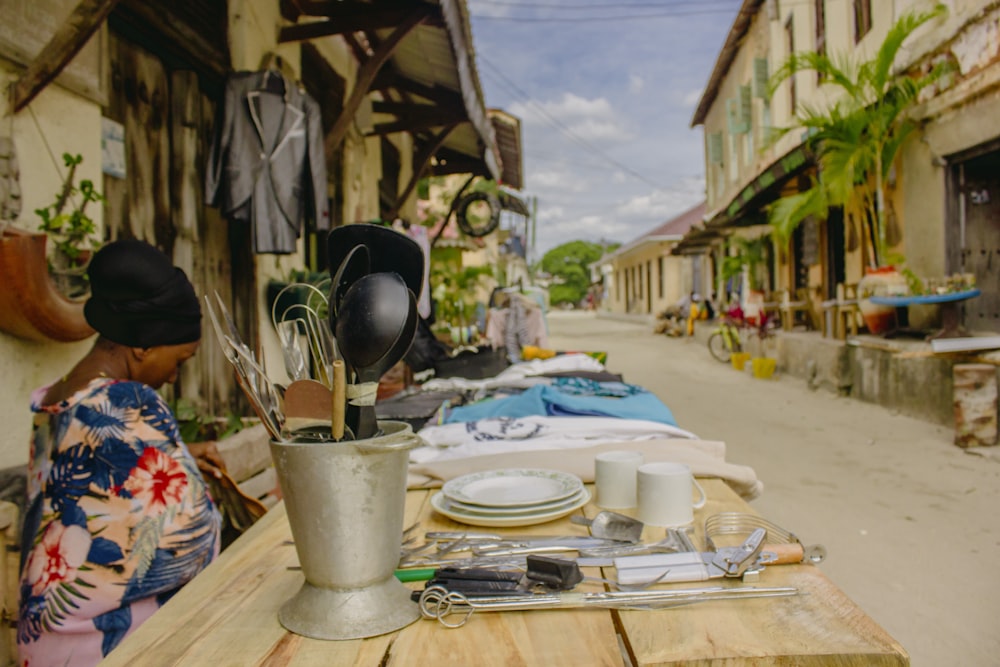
(751, 253)
(196, 427)
(856, 139)
(72, 232)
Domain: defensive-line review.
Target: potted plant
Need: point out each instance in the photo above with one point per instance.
(40, 277)
(856, 140)
(71, 232)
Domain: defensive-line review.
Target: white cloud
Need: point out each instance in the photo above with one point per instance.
(635, 83)
(587, 119)
(693, 97)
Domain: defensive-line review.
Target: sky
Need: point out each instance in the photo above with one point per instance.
(605, 103)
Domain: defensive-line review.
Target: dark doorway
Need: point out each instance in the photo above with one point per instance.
(973, 237)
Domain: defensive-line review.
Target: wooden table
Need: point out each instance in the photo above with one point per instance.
(951, 316)
(228, 616)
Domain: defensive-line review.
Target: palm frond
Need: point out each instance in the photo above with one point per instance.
(898, 33)
(785, 214)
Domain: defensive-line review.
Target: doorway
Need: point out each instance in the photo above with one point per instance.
(973, 237)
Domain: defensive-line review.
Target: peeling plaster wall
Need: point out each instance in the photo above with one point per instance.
(61, 122)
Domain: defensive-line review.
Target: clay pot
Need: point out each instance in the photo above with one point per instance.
(880, 281)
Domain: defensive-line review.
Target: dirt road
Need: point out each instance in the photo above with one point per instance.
(911, 523)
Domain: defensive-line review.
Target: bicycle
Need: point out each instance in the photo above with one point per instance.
(725, 340)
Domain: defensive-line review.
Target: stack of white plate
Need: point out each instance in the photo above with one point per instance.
(510, 497)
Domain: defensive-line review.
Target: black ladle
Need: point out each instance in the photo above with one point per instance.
(375, 328)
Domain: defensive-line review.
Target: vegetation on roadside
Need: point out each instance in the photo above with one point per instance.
(569, 266)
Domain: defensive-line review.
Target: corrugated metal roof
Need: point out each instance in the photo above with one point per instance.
(507, 129)
(437, 55)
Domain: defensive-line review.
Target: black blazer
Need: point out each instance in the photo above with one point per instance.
(267, 164)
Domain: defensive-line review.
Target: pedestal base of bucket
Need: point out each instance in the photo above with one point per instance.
(356, 613)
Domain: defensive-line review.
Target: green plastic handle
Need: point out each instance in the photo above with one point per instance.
(416, 575)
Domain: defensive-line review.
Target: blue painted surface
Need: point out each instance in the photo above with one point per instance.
(913, 300)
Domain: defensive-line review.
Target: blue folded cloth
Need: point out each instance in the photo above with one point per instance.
(547, 400)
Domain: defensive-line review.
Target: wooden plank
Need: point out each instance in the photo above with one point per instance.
(86, 18)
(819, 627)
(228, 616)
(365, 77)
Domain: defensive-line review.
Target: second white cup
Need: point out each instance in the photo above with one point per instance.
(665, 493)
(615, 479)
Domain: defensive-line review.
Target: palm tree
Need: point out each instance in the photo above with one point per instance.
(856, 139)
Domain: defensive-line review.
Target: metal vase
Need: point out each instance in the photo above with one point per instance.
(345, 503)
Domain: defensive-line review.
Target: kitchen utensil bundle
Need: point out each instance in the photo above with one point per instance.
(370, 306)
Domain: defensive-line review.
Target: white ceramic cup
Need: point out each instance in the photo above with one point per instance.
(615, 479)
(664, 493)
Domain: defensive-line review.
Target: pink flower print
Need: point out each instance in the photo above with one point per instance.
(157, 481)
(56, 558)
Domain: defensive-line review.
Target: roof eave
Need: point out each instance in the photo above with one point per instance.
(741, 24)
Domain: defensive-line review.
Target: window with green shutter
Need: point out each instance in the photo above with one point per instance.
(760, 78)
(746, 109)
(715, 148)
(732, 115)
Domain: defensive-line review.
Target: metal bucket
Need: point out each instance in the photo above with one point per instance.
(345, 503)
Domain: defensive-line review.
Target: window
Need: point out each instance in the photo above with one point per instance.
(820, 26)
(659, 271)
(820, 32)
(862, 18)
(790, 43)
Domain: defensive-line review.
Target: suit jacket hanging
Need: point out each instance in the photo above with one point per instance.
(266, 165)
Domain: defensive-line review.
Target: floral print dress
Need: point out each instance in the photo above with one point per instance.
(118, 519)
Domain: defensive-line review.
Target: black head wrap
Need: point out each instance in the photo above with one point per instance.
(139, 298)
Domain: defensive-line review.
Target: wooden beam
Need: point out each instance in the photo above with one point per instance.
(346, 17)
(366, 74)
(420, 162)
(421, 121)
(71, 36)
(415, 108)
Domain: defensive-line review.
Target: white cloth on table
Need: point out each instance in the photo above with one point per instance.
(509, 434)
(517, 374)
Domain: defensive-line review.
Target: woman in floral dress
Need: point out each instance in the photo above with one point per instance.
(118, 517)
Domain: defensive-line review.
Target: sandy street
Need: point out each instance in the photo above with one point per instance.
(911, 523)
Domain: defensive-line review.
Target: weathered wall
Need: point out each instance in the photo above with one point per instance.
(57, 121)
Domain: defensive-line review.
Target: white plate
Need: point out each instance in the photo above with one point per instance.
(456, 506)
(439, 503)
(514, 487)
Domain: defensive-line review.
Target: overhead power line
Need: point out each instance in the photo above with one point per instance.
(559, 125)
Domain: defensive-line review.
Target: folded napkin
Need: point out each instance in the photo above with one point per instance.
(707, 458)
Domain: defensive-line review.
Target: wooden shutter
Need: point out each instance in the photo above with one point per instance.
(760, 76)
(745, 110)
(715, 148)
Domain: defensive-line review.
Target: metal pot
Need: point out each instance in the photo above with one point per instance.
(345, 503)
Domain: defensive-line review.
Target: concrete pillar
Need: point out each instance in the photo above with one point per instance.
(975, 399)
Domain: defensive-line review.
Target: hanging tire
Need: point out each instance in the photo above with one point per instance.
(717, 346)
(480, 229)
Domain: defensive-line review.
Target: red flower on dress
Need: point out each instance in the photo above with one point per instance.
(157, 481)
(56, 558)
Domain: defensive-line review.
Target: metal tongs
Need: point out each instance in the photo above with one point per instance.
(250, 373)
(694, 566)
(437, 602)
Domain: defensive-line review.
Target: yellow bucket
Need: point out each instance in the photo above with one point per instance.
(739, 360)
(763, 367)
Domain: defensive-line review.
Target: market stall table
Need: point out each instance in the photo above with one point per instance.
(950, 315)
(228, 616)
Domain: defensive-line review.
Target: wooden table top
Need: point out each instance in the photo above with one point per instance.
(228, 616)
